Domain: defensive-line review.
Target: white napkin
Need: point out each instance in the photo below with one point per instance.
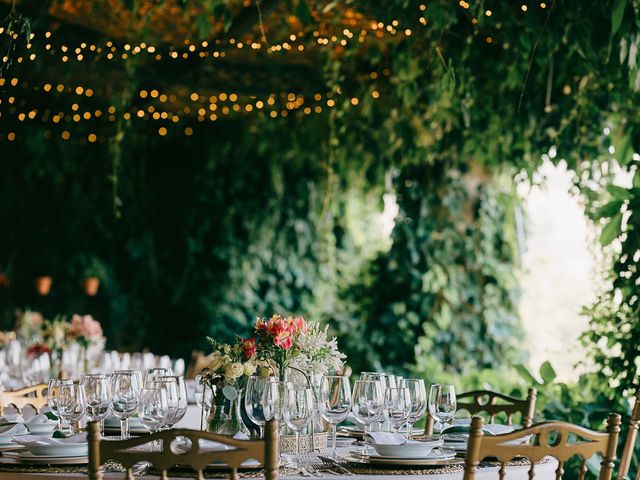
(32, 440)
(386, 438)
(10, 430)
(39, 420)
(11, 418)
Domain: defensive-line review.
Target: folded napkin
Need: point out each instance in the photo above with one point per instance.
(13, 429)
(488, 429)
(34, 440)
(39, 420)
(11, 418)
(386, 438)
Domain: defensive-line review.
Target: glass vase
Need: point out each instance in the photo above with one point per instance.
(226, 417)
(55, 363)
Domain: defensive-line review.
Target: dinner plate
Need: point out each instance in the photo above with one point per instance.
(60, 450)
(40, 428)
(28, 457)
(413, 462)
(414, 449)
(6, 440)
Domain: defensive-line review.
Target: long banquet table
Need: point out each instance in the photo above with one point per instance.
(543, 471)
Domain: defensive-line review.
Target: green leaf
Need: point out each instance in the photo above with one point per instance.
(609, 210)
(526, 375)
(51, 416)
(303, 12)
(547, 372)
(617, 16)
(636, 179)
(619, 193)
(611, 231)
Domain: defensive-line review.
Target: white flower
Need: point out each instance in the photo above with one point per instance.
(215, 363)
(319, 354)
(233, 371)
(249, 368)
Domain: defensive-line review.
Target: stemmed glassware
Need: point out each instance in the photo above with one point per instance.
(335, 402)
(176, 392)
(397, 406)
(153, 408)
(418, 397)
(204, 394)
(298, 410)
(53, 390)
(125, 397)
(156, 372)
(258, 411)
(442, 403)
(97, 390)
(367, 403)
(71, 403)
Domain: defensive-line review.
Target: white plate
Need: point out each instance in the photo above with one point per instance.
(408, 450)
(6, 440)
(28, 457)
(60, 450)
(429, 461)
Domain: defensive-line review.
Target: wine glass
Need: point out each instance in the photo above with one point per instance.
(397, 405)
(125, 391)
(53, 390)
(273, 398)
(153, 408)
(157, 372)
(367, 404)
(298, 410)
(254, 401)
(97, 390)
(418, 398)
(170, 387)
(204, 393)
(335, 402)
(71, 404)
(384, 381)
(442, 403)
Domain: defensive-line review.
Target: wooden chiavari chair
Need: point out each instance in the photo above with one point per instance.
(31, 396)
(559, 440)
(494, 404)
(126, 453)
(630, 442)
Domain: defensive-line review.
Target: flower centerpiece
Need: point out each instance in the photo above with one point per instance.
(54, 334)
(226, 374)
(293, 343)
(29, 327)
(87, 333)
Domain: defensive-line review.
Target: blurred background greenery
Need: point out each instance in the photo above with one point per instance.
(194, 234)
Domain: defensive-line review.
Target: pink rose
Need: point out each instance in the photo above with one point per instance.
(85, 326)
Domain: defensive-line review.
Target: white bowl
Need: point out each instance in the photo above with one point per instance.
(40, 428)
(415, 449)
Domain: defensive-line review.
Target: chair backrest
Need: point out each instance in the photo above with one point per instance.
(559, 440)
(493, 404)
(132, 451)
(32, 396)
(630, 442)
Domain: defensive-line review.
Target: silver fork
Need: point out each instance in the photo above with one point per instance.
(330, 462)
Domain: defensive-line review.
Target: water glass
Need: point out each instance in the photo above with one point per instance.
(71, 404)
(254, 400)
(204, 393)
(418, 397)
(53, 391)
(367, 402)
(153, 408)
(397, 406)
(125, 391)
(335, 402)
(97, 391)
(442, 403)
(157, 372)
(298, 410)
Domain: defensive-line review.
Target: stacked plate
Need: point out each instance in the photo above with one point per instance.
(44, 449)
(8, 432)
(435, 457)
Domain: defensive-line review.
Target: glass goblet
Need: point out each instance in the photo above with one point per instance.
(397, 405)
(97, 391)
(442, 403)
(254, 401)
(335, 403)
(418, 396)
(53, 391)
(153, 408)
(125, 397)
(298, 410)
(71, 404)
